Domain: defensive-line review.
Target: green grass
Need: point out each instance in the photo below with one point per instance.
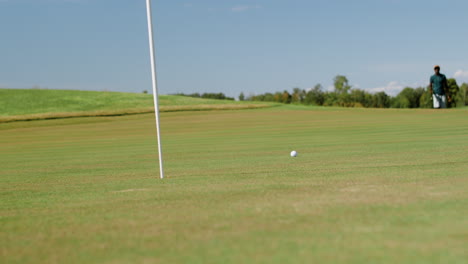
(34, 104)
(39, 101)
(368, 186)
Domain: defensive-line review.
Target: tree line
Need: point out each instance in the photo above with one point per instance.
(220, 96)
(345, 95)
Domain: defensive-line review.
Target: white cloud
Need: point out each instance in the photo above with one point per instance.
(242, 8)
(392, 88)
(461, 74)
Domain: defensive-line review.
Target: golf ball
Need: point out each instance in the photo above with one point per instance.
(293, 153)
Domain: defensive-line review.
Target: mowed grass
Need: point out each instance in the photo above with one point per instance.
(36, 104)
(368, 186)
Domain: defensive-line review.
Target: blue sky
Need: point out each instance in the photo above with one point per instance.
(231, 46)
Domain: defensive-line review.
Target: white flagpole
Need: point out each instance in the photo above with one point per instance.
(155, 84)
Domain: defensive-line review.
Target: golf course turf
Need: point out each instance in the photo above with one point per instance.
(41, 104)
(367, 186)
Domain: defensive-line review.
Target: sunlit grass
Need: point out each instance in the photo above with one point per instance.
(368, 186)
(35, 104)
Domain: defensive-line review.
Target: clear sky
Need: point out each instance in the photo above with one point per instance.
(229, 46)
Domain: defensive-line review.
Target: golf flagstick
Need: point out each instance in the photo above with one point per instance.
(155, 84)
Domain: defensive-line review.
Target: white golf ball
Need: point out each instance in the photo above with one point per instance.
(293, 153)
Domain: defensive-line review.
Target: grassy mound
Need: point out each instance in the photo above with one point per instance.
(33, 104)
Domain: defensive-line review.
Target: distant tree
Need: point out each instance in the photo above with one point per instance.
(342, 88)
(381, 100)
(241, 97)
(277, 97)
(418, 93)
(269, 97)
(358, 98)
(331, 99)
(219, 96)
(408, 98)
(344, 99)
(260, 97)
(400, 102)
(425, 101)
(464, 93)
(298, 95)
(341, 84)
(315, 96)
(286, 97)
(145, 91)
(453, 94)
(370, 100)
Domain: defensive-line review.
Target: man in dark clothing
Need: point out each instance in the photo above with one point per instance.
(438, 87)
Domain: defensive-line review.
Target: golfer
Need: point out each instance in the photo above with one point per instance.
(438, 87)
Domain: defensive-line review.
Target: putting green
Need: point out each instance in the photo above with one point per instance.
(368, 186)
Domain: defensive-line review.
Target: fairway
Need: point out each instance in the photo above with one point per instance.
(367, 186)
